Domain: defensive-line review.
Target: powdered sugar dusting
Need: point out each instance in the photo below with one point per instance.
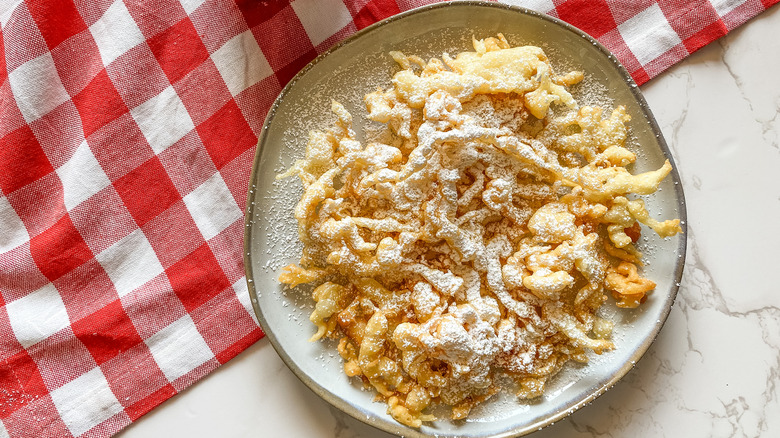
(464, 334)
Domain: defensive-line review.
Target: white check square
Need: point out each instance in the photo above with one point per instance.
(543, 6)
(241, 62)
(115, 32)
(14, 232)
(179, 348)
(38, 315)
(321, 18)
(81, 176)
(723, 7)
(212, 206)
(38, 86)
(85, 402)
(163, 119)
(648, 34)
(130, 263)
(190, 5)
(6, 9)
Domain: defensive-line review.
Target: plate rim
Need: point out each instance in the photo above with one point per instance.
(398, 428)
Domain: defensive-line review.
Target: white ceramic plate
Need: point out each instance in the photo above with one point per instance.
(357, 66)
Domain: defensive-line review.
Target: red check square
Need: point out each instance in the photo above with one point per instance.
(374, 11)
(355, 6)
(21, 382)
(197, 278)
(59, 249)
(107, 332)
(138, 409)
(99, 103)
(226, 134)
(591, 16)
(178, 49)
(704, 36)
(22, 160)
(147, 191)
(255, 12)
(3, 69)
(287, 72)
(63, 13)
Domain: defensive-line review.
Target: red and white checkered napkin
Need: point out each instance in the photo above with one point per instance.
(127, 132)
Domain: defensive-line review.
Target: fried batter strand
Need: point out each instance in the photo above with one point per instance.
(482, 239)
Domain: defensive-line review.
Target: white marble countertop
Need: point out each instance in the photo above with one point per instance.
(714, 370)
